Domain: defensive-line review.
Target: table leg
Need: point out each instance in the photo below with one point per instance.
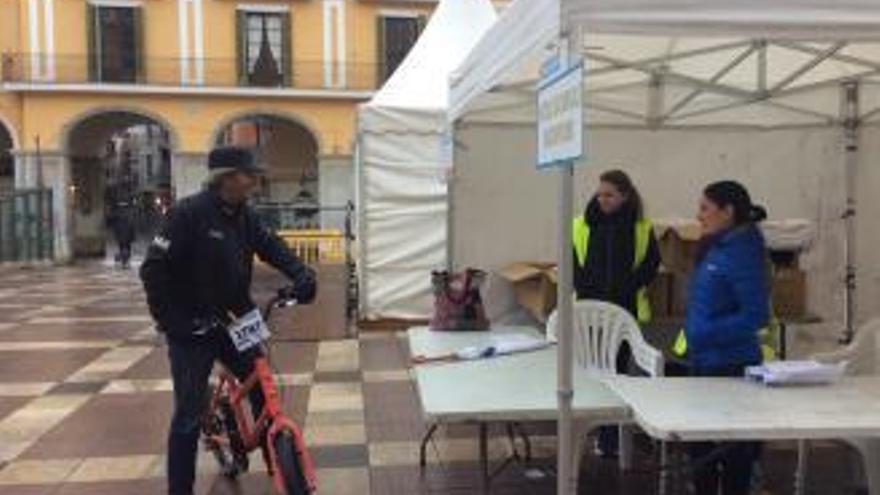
(527, 442)
(801, 473)
(665, 465)
(484, 457)
(423, 455)
(580, 429)
(783, 340)
(511, 436)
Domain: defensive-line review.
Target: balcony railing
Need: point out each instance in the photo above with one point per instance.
(179, 72)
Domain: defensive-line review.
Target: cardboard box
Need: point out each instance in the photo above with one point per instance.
(790, 293)
(678, 246)
(534, 285)
(680, 293)
(660, 294)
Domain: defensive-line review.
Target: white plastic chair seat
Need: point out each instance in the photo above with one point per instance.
(600, 330)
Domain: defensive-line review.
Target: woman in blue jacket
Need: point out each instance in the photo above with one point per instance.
(728, 305)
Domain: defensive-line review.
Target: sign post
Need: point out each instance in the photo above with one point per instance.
(560, 145)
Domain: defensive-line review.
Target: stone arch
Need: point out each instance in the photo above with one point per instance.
(120, 162)
(143, 114)
(6, 125)
(264, 112)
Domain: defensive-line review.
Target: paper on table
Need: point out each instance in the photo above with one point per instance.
(796, 372)
(501, 345)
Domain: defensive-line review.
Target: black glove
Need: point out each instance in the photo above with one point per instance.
(305, 288)
(204, 327)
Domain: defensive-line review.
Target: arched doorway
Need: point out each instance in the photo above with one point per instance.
(121, 170)
(288, 151)
(7, 162)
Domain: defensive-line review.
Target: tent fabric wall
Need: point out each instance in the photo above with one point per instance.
(402, 164)
(795, 173)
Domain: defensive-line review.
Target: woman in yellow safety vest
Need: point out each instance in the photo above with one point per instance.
(616, 258)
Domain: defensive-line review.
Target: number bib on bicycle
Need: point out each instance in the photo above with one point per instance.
(248, 331)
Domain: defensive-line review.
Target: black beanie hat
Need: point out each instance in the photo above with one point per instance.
(229, 159)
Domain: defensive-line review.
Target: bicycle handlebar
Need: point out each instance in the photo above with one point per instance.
(283, 299)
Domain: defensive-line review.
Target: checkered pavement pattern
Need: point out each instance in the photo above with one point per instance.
(85, 401)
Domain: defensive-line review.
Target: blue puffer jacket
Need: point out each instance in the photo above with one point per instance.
(728, 301)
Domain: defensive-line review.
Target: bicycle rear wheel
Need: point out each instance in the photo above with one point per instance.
(230, 455)
(289, 464)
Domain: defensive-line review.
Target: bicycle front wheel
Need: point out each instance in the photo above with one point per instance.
(289, 465)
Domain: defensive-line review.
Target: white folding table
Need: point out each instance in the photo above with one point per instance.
(733, 409)
(514, 388)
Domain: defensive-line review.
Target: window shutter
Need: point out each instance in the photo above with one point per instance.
(381, 55)
(140, 65)
(92, 41)
(241, 46)
(287, 48)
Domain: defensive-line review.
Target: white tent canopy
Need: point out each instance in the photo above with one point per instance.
(402, 166)
(669, 66)
(694, 63)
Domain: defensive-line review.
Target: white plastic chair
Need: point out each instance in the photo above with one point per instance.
(863, 358)
(600, 329)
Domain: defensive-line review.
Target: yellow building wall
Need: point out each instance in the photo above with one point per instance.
(10, 36)
(220, 43)
(161, 40)
(193, 121)
(71, 43)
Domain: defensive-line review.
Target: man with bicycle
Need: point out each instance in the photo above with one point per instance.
(197, 277)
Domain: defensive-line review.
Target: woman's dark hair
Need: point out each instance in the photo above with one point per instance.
(731, 193)
(621, 181)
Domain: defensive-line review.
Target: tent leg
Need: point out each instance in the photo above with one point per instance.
(567, 477)
(850, 117)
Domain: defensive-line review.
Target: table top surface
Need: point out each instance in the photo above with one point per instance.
(424, 341)
(737, 409)
(518, 387)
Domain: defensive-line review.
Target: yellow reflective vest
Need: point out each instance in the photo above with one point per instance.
(644, 229)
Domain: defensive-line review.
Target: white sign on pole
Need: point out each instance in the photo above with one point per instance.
(561, 117)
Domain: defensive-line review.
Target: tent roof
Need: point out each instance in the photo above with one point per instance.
(420, 82)
(681, 62)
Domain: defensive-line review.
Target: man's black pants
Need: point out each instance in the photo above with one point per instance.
(191, 366)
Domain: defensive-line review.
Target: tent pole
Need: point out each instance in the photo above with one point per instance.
(361, 219)
(567, 477)
(850, 117)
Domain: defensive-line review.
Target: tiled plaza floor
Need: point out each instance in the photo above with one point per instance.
(85, 402)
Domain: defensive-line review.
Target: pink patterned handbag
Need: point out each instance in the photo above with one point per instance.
(458, 305)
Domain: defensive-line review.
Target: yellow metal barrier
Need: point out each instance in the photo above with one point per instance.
(316, 246)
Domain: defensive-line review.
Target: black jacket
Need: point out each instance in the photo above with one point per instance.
(608, 274)
(199, 267)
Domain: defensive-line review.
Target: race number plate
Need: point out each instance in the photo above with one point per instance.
(248, 331)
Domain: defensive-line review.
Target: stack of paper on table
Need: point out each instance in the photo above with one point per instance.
(796, 372)
(498, 345)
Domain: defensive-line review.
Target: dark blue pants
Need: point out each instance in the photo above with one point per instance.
(191, 365)
(730, 464)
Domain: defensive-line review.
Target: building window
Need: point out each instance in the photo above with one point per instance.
(115, 44)
(397, 35)
(264, 48)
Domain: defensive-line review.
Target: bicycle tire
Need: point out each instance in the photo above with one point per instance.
(236, 443)
(231, 457)
(289, 465)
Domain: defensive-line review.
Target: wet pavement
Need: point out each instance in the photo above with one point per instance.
(85, 399)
